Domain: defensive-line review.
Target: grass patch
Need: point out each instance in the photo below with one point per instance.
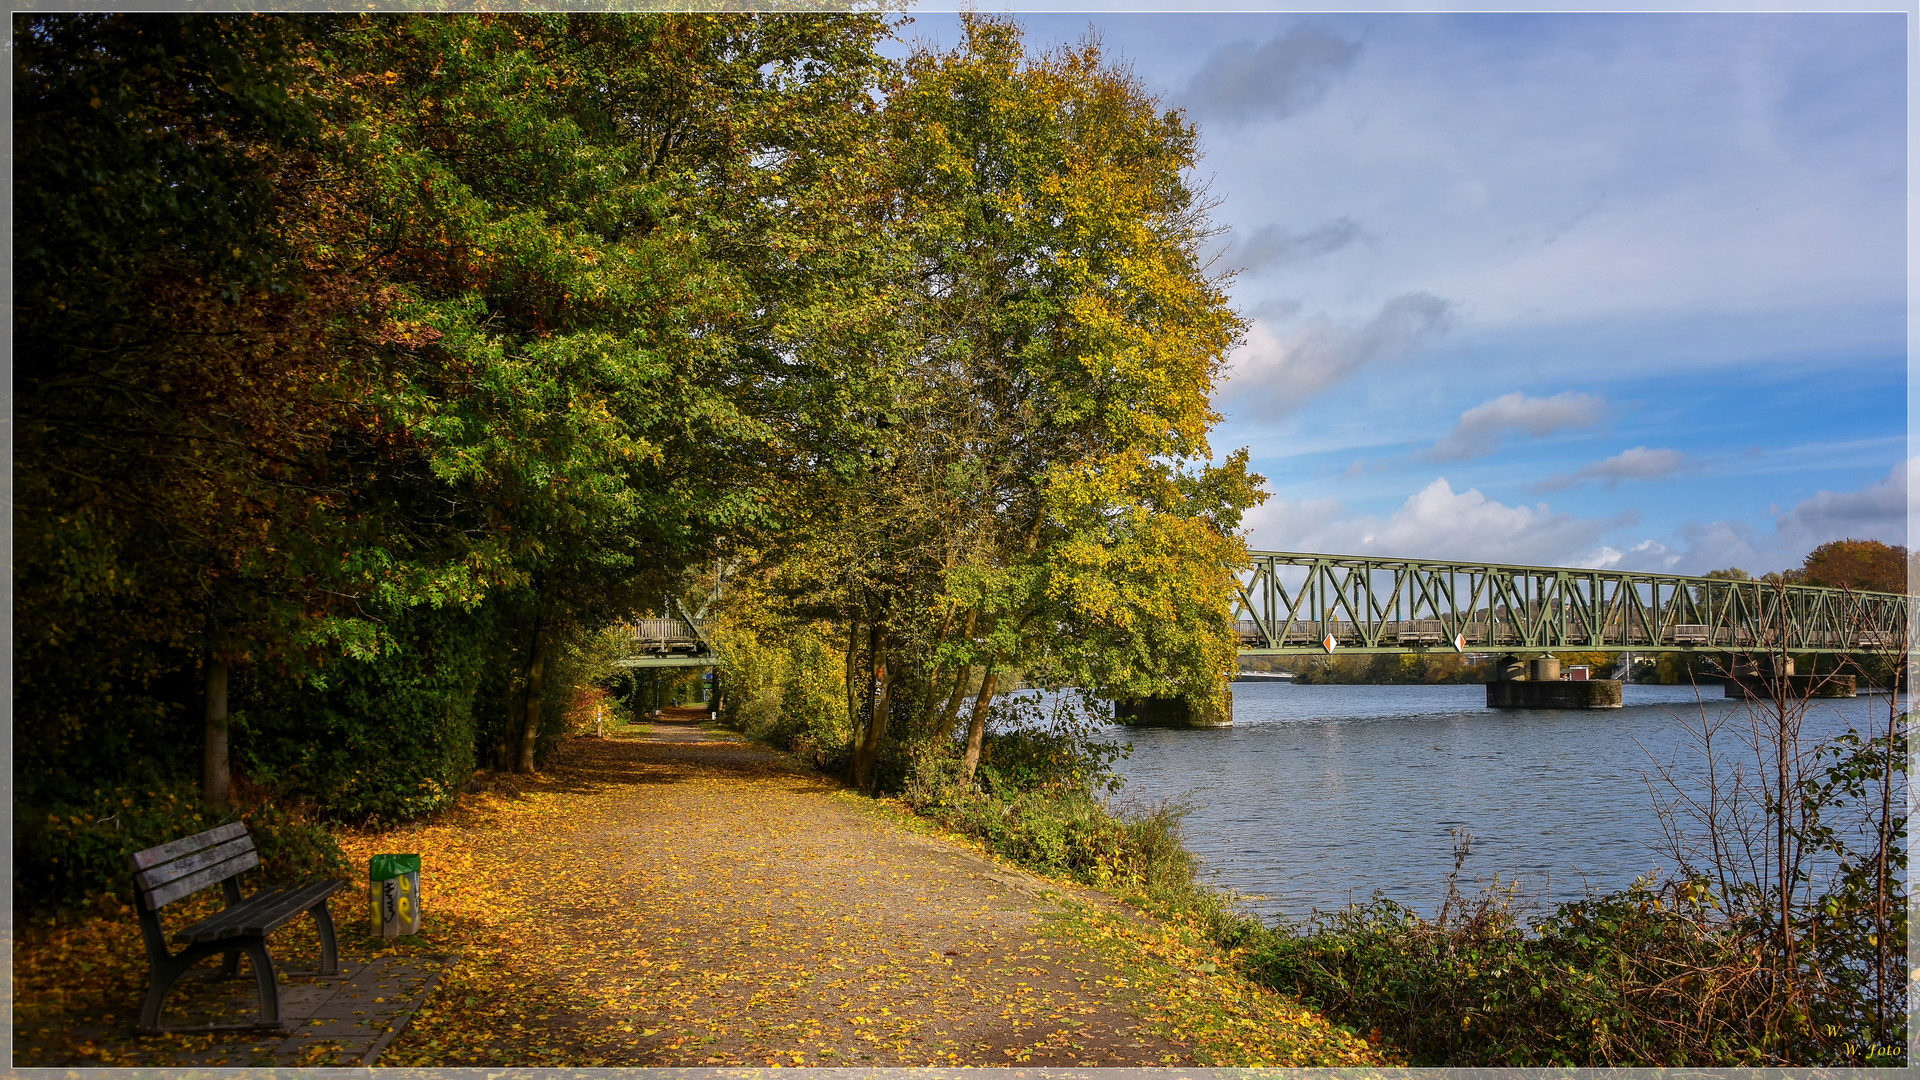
(1196, 992)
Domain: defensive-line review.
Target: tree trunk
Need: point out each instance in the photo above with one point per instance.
(855, 695)
(960, 679)
(866, 751)
(952, 711)
(534, 668)
(215, 775)
(509, 731)
(977, 726)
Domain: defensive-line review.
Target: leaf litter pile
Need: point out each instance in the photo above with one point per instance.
(683, 899)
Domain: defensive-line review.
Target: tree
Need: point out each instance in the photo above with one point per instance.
(1031, 491)
(326, 321)
(599, 233)
(1861, 565)
(180, 490)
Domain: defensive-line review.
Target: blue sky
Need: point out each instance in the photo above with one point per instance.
(1614, 290)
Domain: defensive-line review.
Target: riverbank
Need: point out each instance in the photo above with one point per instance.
(672, 897)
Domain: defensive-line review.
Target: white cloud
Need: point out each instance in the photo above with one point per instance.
(1876, 512)
(1439, 523)
(1646, 555)
(1638, 463)
(1482, 427)
(1276, 79)
(1434, 523)
(1322, 352)
(1528, 184)
(1720, 545)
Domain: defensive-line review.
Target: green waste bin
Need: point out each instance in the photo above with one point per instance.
(393, 884)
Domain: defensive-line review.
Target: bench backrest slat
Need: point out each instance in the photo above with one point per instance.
(169, 872)
(213, 837)
(199, 879)
(187, 864)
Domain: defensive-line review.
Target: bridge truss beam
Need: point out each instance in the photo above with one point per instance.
(1295, 603)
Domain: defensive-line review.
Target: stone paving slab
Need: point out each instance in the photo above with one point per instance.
(342, 1020)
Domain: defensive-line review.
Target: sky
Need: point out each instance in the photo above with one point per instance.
(1623, 291)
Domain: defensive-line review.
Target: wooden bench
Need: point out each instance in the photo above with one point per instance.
(218, 856)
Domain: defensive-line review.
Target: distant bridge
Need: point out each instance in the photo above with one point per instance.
(678, 639)
(1294, 603)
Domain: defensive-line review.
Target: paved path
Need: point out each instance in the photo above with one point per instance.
(688, 899)
(344, 1020)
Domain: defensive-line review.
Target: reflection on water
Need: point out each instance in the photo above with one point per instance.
(1321, 794)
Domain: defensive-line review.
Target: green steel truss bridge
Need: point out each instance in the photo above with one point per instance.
(1292, 603)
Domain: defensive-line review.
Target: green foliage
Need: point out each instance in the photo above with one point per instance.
(1042, 803)
(1071, 834)
(379, 740)
(68, 854)
(790, 694)
(1026, 484)
(291, 850)
(1061, 829)
(1030, 748)
(1630, 978)
(1481, 990)
(384, 359)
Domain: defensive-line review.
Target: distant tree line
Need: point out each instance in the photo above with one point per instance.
(1861, 565)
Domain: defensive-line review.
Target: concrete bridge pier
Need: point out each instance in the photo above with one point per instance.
(1537, 685)
(1177, 712)
(1761, 679)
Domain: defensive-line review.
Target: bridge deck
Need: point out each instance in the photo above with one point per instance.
(1299, 603)
(673, 641)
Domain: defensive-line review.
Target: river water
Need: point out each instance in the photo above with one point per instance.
(1319, 795)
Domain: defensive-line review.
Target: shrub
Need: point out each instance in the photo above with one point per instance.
(65, 856)
(1028, 747)
(1644, 976)
(1071, 834)
(370, 740)
(790, 696)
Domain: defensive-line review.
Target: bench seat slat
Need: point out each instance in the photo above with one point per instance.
(287, 906)
(187, 864)
(215, 927)
(229, 922)
(260, 914)
(154, 856)
(199, 879)
(283, 908)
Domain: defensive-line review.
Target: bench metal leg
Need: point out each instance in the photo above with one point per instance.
(329, 954)
(168, 972)
(164, 976)
(263, 976)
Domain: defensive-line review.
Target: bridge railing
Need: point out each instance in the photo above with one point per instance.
(664, 632)
(1292, 602)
